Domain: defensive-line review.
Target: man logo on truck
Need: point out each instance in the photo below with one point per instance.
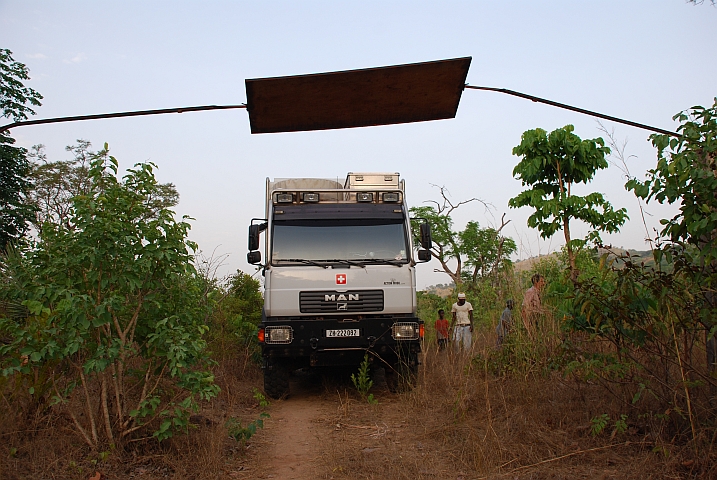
(341, 297)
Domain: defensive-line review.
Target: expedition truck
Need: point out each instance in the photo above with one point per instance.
(339, 277)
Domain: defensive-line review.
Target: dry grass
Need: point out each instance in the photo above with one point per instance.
(464, 422)
(48, 447)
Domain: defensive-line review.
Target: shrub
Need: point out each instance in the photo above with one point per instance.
(115, 312)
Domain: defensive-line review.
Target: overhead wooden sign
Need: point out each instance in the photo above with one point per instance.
(415, 92)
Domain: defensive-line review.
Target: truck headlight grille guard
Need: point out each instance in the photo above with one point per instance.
(405, 331)
(281, 334)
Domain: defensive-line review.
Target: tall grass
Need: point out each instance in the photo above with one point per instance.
(620, 356)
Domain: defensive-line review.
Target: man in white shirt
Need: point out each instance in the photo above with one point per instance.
(462, 324)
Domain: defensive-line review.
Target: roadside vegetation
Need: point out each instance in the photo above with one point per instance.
(122, 353)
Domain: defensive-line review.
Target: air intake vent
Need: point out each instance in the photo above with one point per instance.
(337, 302)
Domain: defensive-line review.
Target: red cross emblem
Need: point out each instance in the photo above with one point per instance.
(341, 279)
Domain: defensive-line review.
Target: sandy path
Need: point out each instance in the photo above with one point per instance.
(295, 433)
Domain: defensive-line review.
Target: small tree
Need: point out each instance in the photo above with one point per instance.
(115, 312)
(55, 184)
(487, 251)
(235, 320)
(686, 172)
(15, 98)
(475, 252)
(551, 164)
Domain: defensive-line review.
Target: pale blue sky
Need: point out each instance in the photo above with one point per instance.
(640, 60)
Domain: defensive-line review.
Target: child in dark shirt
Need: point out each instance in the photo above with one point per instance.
(442, 330)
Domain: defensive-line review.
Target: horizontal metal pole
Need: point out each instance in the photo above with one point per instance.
(576, 109)
(119, 114)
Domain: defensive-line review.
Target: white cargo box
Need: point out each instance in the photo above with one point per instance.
(372, 181)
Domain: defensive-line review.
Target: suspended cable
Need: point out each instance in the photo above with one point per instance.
(119, 114)
(575, 109)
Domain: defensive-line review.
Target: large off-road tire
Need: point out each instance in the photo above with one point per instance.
(276, 380)
(403, 375)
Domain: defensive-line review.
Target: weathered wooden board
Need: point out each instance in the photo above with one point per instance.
(357, 98)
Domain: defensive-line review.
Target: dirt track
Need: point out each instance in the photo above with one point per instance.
(324, 430)
(294, 433)
(476, 427)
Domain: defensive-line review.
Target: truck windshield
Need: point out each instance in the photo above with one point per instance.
(339, 240)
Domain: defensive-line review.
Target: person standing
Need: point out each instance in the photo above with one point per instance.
(462, 324)
(505, 324)
(532, 305)
(442, 330)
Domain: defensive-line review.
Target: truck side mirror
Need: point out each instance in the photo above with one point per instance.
(424, 255)
(426, 241)
(253, 257)
(254, 237)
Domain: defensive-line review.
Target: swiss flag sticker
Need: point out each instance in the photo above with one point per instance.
(340, 279)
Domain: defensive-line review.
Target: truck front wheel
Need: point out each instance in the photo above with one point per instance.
(276, 380)
(403, 376)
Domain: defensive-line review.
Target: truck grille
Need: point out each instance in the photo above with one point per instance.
(335, 302)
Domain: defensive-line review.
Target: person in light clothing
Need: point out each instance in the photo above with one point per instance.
(532, 305)
(462, 324)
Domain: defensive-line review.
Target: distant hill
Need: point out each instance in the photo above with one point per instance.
(637, 256)
(528, 263)
(442, 290)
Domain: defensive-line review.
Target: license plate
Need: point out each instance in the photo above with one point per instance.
(345, 332)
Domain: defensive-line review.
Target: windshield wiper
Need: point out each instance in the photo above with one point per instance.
(304, 261)
(355, 263)
(383, 261)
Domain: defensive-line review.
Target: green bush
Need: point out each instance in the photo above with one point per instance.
(115, 312)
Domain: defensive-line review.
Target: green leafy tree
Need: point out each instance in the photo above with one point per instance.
(467, 255)
(551, 164)
(14, 96)
(234, 321)
(445, 241)
(245, 295)
(15, 212)
(56, 183)
(486, 250)
(115, 312)
(686, 173)
(15, 101)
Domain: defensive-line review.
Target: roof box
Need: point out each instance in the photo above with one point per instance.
(372, 181)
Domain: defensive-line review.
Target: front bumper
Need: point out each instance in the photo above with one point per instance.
(386, 337)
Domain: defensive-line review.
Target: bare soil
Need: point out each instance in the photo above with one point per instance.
(290, 446)
(326, 430)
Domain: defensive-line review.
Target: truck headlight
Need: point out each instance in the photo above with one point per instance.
(281, 334)
(405, 331)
